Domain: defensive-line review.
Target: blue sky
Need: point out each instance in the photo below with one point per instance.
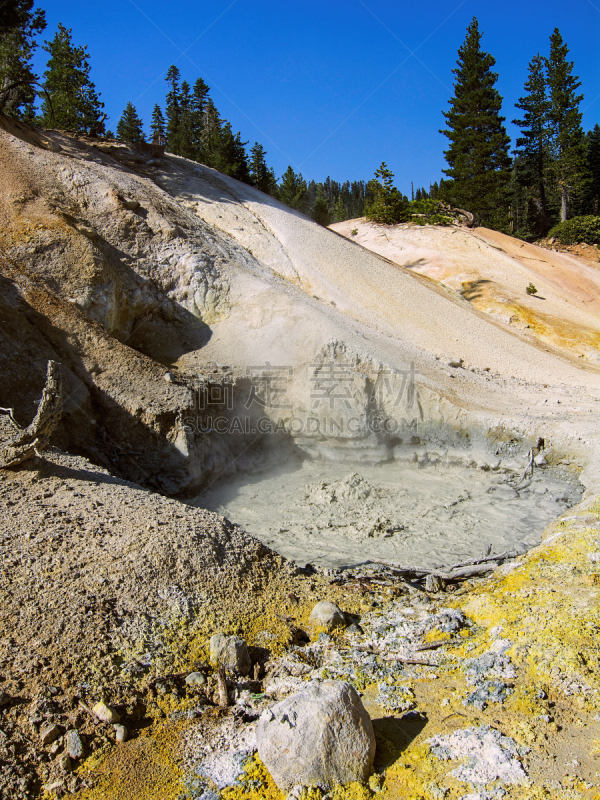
(331, 87)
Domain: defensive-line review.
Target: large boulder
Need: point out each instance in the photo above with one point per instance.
(318, 737)
(230, 652)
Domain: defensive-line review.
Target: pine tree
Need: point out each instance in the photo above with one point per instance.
(17, 45)
(273, 187)
(389, 206)
(14, 14)
(593, 163)
(293, 190)
(186, 144)
(173, 109)
(320, 211)
(478, 157)
(157, 126)
(259, 172)
(339, 210)
(229, 154)
(130, 127)
(567, 139)
(76, 105)
(198, 110)
(533, 146)
(208, 146)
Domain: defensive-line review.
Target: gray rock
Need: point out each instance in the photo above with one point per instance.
(434, 584)
(49, 733)
(318, 737)
(4, 698)
(196, 679)
(327, 616)
(74, 745)
(120, 733)
(126, 202)
(230, 652)
(65, 763)
(105, 713)
(455, 362)
(88, 231)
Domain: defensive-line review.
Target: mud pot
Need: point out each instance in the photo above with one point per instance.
(333, 515)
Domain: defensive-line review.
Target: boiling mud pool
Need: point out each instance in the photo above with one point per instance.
(327, 514)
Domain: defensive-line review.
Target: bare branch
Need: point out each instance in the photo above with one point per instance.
(36, 437)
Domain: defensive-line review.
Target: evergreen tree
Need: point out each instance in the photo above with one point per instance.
(157, 126)
(339, 210)
(533, 146)
(14, 14)
(389, 206)
(478, 157)
(320, 211)
(259, 172)
(273, 187)
(17, 44)
(186, 143)
(567, 139)
(173, 109)
(210, 134)
(130, 127)
(76, 105)
(198, 108)
(593, 163)
(293, 190)
(230, 156)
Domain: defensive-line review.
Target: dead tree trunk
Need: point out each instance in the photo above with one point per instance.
(36, 437)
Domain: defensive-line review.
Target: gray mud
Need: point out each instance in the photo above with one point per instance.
(428, 516)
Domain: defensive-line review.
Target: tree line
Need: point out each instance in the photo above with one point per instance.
(552, 174)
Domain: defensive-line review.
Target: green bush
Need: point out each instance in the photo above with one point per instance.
(579, 229)
(531, 289)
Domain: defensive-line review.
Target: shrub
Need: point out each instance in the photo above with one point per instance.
(579, 229)
(354, 231)
(531, 289)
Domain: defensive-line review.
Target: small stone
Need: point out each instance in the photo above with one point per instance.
(120, 733)
(196, 679)
(105, 713)
(434, 584)
(540, 460)
(49, 733)
(169, 377)
(327, 616)
(65, 763)
(74, 745)
(129, 204)
(354, 629)
(455, 362)
(87, 231)
(4, 698)
(230, 652)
